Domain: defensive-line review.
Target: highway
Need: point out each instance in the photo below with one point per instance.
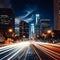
(30, 50)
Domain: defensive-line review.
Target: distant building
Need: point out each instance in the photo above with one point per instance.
(44, 25)
(31, 30)
(57, 14)
(17, 31)
(6, 20)
(24, 29)
(37, 25)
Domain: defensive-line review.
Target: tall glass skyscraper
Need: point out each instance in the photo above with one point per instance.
(37, 25)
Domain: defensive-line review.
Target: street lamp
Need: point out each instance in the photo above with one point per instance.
(24, 36)
(49, 31)
(10, 30)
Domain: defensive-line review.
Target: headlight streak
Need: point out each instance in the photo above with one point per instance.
(15, 47)
(37, 53)
(24, 45)
(7, 50)
(44, 51)
(49, 44)
(51, 51)
(27, 53)
(15, 54)
(19, 58)
(47, 51)
(7, 47)
(55, 49)
(9, 54)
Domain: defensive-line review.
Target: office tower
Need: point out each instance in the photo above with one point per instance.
(24, 29)
(37, 25)
(6, 21)
(45, 25)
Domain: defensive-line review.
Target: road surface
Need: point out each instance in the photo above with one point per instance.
(30, 50)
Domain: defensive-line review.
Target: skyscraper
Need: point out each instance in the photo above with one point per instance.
(6, 20)
(24, 29)
(57, 14)
(44, 25)
(31, 30)
(37, 25)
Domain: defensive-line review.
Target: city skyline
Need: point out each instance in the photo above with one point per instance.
(29, 29)
(25, 9)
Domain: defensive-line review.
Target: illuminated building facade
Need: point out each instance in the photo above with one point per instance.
(37, 25)
(24, 29)
(57, 14)
(31, 30)
(6, 20)
(17, 31)
(45, 25)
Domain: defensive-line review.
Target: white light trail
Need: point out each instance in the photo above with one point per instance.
(7, 47)
(16, 48)
(15, 54)
(7, 50)
(27, 53)
(9, 54)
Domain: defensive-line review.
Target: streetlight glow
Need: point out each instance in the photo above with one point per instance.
(49, 31)
(10, 30)
(24, 36)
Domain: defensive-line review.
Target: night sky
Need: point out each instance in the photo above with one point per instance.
(24, 9)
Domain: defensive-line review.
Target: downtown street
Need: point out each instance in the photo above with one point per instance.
(30, 50)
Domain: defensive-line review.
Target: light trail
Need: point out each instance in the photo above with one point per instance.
(23, 54)
(26, 53)
(42, 49)
(15, 54)
(20, 50)
(52, 51)
(9, 54)
(7, 47)
(48, 51)
(24, 45)
(55, 49)
(56, 45)
(17, 48)
(36, 52)
(7, 50)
